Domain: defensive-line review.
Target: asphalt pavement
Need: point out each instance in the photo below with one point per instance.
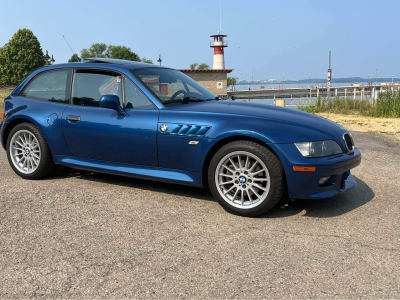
(85, 235)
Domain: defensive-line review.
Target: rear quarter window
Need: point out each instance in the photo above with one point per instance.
(48, 86)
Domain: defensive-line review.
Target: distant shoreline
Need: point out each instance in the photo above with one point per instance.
(311, 80)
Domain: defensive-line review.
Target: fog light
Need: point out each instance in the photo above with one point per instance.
(323, 180)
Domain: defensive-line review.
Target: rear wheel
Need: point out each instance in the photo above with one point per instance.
(28, 152)
(246, 178)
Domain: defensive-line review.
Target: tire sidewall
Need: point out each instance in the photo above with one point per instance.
(274, 168)
(43, 148)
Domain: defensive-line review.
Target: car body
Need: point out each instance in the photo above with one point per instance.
(173, 143)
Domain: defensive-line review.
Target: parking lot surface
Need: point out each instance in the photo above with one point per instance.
(85, 235)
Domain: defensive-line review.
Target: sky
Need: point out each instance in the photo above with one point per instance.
(265, 38)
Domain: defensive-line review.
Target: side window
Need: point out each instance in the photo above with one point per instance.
(134, 98)
(88, 87)
(49, 86)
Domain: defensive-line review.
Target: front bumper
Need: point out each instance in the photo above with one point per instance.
(306, 185)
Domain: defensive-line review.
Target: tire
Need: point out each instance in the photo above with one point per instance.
(247, 189)
(27, 145)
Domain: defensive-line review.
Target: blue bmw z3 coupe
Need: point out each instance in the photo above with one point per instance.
(147, 121)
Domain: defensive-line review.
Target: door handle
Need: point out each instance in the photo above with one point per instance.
(73, 118)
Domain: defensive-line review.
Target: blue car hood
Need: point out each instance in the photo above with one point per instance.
(262, 111)
(278, 124)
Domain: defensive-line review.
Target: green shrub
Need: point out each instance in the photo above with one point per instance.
(386, 106)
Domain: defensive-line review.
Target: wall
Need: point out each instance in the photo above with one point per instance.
(209, 81)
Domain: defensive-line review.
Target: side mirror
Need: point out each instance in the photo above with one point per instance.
(112, 102)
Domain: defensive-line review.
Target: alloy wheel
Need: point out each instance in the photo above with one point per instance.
(25, 151)
(242, 179)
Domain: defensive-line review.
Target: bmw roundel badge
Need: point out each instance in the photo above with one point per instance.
(164, 127)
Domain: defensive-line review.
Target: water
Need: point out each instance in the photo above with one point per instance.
(296, 101)
(289, 85)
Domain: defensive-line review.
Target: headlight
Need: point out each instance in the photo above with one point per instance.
(319, 149)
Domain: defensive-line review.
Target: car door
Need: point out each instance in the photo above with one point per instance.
(97, 133)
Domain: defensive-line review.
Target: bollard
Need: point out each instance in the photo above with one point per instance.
(373, 95)
(280, 102)
(354, 93)
(335, 92)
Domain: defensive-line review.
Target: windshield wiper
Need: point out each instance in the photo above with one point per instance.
(184, 100)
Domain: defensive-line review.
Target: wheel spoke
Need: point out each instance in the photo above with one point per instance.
(225, 175)
(258, 172)
(226, 182)
(234, 196)
(233, 164)
(259, 187)
(252, 167)
(230, 189)
(260, 179)
(248, 195)
(229, 169)
(35, 161)
(246, 166)
(239, 161)
(19, 144)
(242, 197)
(255, 193)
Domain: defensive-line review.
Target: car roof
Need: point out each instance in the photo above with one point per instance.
(106, 62)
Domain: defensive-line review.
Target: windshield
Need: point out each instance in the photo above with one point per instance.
(169, 85)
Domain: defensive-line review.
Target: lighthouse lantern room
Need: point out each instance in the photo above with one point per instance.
(219, 45)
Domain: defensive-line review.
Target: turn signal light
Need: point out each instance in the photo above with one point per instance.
(304, 169)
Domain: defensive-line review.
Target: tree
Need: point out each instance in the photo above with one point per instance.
(101, 50)
(231, 81)
(203, 66)
(20, 56)
(74, 58)
(96, 50)
(193, 66)
(122, 52)
(147, 61)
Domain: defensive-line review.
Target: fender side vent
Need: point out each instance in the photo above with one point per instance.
(189, 130)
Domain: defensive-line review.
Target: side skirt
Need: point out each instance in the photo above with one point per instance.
(144, 172)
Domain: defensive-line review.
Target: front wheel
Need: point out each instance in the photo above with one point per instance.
(28, 152)
(246, 178)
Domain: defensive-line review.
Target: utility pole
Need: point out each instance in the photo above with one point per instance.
(376, 74)
(392, 78)
(159, 59)
(328, 86)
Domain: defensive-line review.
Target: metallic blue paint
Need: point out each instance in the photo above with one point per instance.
(160, 174)
(134, 145)
(112, 102)
(103, 135)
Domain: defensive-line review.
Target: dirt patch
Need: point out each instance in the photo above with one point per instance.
(388, 127)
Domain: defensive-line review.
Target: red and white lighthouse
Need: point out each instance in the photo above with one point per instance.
(219, 45)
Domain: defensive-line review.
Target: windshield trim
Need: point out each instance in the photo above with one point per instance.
(165, 105)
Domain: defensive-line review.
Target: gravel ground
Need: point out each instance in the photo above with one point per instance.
(84, 235)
